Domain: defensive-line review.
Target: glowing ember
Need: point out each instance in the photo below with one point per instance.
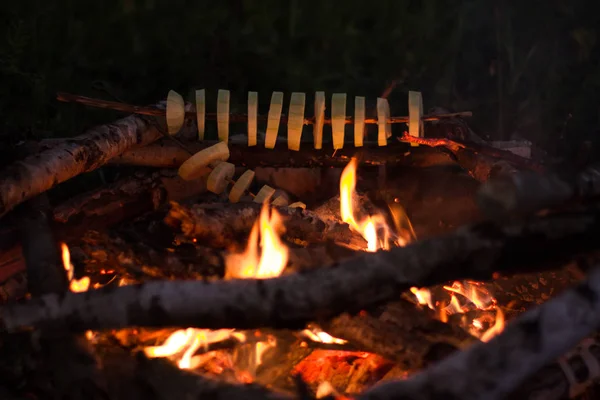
(373, 228)
(273, 256)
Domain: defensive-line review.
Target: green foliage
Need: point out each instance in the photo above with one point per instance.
(521, 67)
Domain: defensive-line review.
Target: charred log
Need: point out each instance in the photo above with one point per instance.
(157, 379)
(570, 377)
(45, 270)
(476, 252)
(166, 154)
(493, 370)
(528, 192)
(125, 199)
(401, 332)
(35, 174)
(220, 225)
(46, 274)
(482, 162)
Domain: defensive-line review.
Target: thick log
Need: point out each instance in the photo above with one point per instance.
(406, 334)
(493, 370)
(476, 252)
(98, 209)
(37, 173)
(158, 379)
(220, 225)
(45, 269)
(551, 383)
(482, 162)
(46, 274)
(528, 192)
(168, 154)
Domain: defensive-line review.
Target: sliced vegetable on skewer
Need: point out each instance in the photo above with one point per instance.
(263, 194)
(195, 166)
(296, 120)
(319, 119)
(252, 118)
(200, 112)
(220, 177)
(241, 185)
(175, 112)
(359, 121)
(384, 127)
(273, 119)
(338, 119)
(223, 115)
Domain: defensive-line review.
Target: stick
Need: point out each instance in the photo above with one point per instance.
(493, 370)
(527, 192)
(290, 301)
(157, 112)
(35, 174)
(481, 160)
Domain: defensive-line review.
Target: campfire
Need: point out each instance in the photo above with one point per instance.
(435, 266)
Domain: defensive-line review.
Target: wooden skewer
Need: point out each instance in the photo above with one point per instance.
(154, 111)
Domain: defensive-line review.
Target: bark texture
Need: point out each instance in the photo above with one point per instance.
(474, 252)
(219, 225)
(35, 174)
(98, 209)
(402, 332)
(167, 154)
(528, 192)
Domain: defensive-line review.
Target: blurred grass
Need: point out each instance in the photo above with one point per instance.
(522, 67)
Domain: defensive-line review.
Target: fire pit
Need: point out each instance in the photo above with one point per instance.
(368, 272)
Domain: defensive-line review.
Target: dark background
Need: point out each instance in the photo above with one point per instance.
(526, 68)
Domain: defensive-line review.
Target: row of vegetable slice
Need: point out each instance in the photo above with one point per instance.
(175, 116)
(215, 157)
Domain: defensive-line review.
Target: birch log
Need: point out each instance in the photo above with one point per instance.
(37, 173)
(290, 301)
(528, 192)
(493, 370)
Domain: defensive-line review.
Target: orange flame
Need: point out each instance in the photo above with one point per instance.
(273, 256)
(184, 343)
(482, 299)
(423, 296)
(373, 228)
(496, 329)
(76, 285)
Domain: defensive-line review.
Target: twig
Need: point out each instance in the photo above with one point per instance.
(432, 142)
(493, 370)
(157, 112)
(476, 252)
